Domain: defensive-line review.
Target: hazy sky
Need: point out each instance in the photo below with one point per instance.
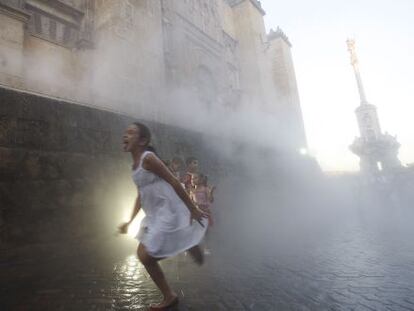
(384, 34)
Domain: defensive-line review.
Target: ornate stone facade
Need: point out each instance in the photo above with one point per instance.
(130, 55)
(61, 172)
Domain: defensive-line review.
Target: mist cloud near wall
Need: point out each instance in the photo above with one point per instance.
(266, 180)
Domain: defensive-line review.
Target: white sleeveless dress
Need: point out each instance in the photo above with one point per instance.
(165, 230)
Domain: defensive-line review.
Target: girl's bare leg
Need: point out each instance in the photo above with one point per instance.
(156, 274)
(197, 254)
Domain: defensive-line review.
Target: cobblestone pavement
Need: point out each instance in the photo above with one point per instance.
(348, 260)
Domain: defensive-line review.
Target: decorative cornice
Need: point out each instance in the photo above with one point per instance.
(66, 8)
(14, 12)
(58, 9)
(278, 34)
(256, 4)
(61, 6)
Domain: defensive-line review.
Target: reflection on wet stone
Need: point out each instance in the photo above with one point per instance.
(363, 262)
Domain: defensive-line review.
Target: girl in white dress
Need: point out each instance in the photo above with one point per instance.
(172, 223)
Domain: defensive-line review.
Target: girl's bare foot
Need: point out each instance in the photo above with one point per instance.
(168, 302)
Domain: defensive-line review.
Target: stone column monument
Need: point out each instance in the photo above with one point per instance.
(377, 151)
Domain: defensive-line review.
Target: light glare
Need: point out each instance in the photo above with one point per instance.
(134, 226)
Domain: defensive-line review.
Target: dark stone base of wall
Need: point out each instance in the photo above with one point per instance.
(62, 172)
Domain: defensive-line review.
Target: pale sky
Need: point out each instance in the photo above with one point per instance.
(384, 34)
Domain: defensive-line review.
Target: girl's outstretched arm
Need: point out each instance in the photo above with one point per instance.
(123, 228)
(154, 164)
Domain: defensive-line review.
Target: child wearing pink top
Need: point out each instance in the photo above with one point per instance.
(202, 195)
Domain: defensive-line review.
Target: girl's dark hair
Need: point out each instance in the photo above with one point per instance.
(144, 132)
(152, 149)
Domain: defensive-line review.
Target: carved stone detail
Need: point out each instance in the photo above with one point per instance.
(64, 22)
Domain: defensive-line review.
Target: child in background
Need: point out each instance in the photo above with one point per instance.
(210, 189)
(202, 195)
(192, 168)
(175, 166)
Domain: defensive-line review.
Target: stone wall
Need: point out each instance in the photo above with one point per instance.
(251, 34)
(143, 57)
(12, 21)
(62, 172)
(283, 81)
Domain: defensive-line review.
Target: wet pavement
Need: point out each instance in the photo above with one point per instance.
(359, 259)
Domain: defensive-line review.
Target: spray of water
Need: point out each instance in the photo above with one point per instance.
(272, 196)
